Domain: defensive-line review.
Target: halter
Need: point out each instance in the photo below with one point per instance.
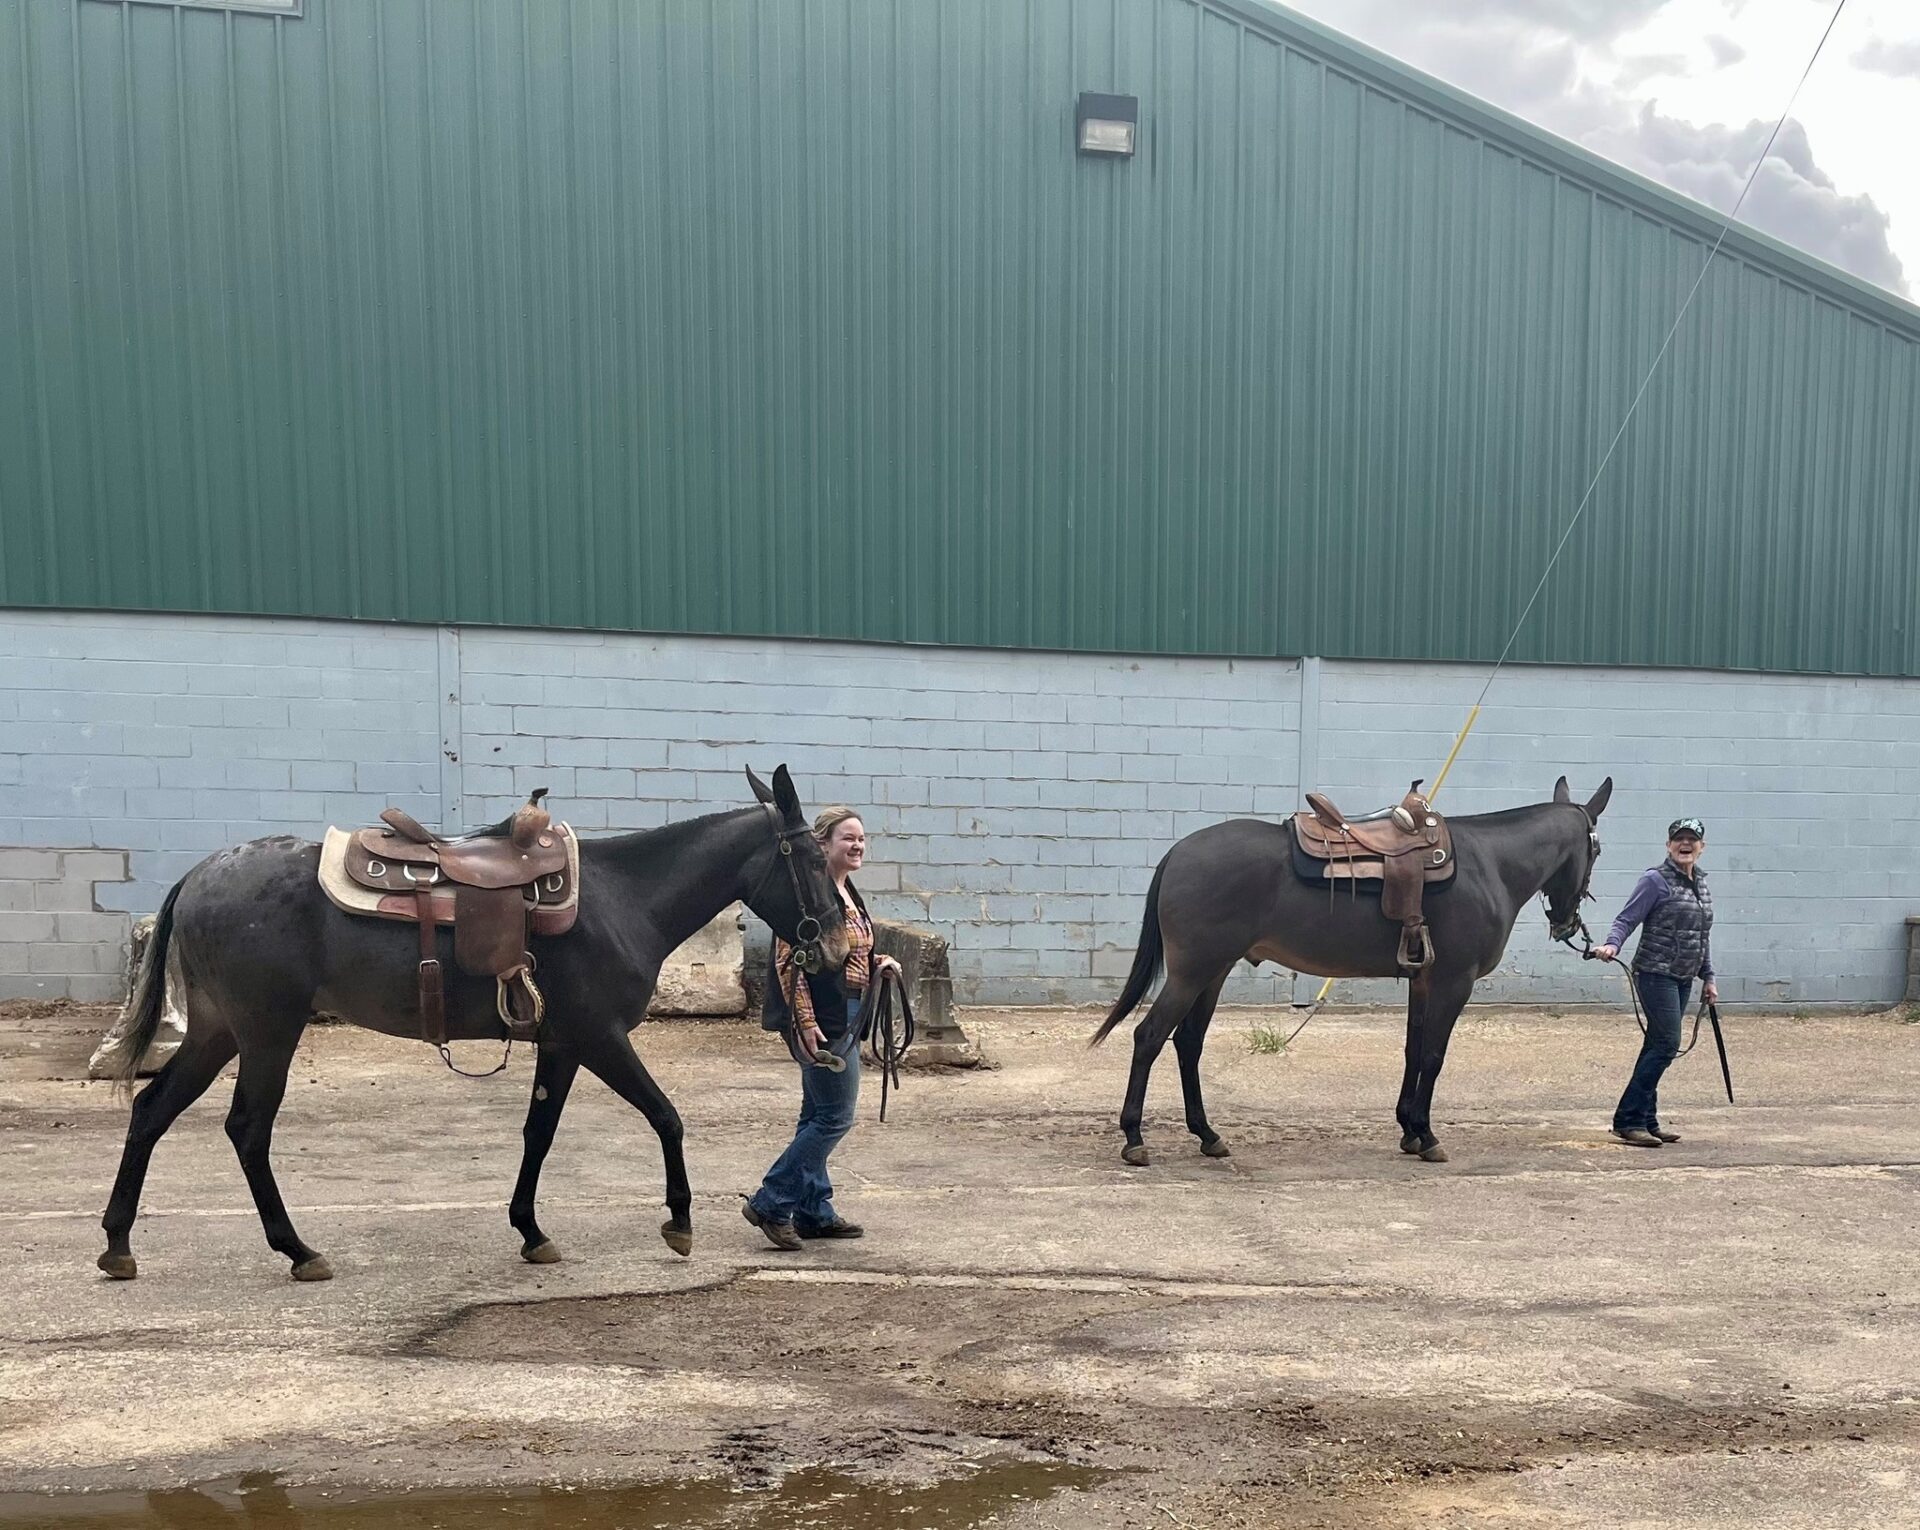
(808, 954)
(1565, 929)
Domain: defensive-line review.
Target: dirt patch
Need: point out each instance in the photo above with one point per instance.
(916, 1371)
(894, 1358)
(45, 1039)
(67, 1010)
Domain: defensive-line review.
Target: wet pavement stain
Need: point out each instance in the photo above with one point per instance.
(811, 1499)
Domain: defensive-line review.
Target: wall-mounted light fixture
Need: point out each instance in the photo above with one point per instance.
(1105, 125)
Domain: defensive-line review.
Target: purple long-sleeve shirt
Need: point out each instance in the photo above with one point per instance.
(1648, 893)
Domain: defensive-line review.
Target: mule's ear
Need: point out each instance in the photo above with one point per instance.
(761, 791)
(1560, 792)
(1601, 798)
(785, 797)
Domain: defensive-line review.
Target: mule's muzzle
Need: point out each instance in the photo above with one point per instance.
(1566, 929)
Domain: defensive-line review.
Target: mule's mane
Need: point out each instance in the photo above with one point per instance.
(668, 836)
(1508, 815)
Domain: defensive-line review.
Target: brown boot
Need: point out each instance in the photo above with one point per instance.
(839, 1227)
(780, 1234)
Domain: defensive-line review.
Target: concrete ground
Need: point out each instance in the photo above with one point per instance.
(1551, 1330)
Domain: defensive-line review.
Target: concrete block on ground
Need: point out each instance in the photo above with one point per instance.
(706, 974)
(922, 955)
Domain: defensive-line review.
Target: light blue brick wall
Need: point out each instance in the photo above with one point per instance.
(1810, 789)
(1018, 802)
(168, 737)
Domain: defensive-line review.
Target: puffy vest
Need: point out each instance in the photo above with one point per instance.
(1674, 938)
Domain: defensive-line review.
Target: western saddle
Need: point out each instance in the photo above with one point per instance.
(1403, 847)
(497, 887)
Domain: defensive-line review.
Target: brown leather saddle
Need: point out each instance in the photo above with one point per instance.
(1404, 847)
(497, 887)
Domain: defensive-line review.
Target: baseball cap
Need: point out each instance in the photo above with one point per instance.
(1682, 826)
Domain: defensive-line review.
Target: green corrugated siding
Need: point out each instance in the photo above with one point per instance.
(802, 317)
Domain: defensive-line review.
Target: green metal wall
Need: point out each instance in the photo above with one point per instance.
(802, 317)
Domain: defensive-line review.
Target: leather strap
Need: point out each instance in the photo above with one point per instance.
(887, 1038)
(433, 997)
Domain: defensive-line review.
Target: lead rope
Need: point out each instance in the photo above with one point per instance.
(888, 1033)
(1632, 993)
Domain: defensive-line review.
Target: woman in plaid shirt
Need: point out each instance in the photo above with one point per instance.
(819, 1012)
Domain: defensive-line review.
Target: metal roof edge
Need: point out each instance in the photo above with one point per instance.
(1563, 155)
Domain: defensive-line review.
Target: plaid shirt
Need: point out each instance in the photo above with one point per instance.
(854, 975)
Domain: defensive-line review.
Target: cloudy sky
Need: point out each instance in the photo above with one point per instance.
(1686, 91)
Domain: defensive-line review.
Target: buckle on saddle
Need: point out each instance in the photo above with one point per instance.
(429, 880)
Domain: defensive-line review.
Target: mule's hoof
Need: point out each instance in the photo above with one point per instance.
(679, 1239)
(542, 1252)
(119, 1266)
(315, 1268)
(1434, 1154)
(1216, 1149)
(1409, 1143)
(1135, 1155)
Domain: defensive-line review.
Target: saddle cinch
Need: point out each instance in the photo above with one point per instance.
(1404, 848)
(497, 887)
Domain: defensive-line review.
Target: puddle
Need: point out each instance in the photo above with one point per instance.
(813, 1499)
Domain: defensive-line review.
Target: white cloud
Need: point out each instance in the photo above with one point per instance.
(1641, 81)
(1792, 198)
(1899, 59)
(1725, 50)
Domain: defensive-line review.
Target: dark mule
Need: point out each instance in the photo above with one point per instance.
(262, 949)
(1230, 892)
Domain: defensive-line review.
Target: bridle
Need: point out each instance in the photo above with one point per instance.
(1564, 930)
(809, 955)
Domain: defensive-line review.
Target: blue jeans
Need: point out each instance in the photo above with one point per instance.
(796, 1187)
(1664, 1001)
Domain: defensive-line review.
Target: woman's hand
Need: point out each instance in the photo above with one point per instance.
(1606, 953)
(811, 1039)
(1711, 993)
(884, 963)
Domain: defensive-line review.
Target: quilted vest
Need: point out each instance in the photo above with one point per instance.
(1674, 938)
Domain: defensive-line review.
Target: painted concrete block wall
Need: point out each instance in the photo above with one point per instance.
(1018, 801)
(1810, 789)
(161, 739)
(56, 939)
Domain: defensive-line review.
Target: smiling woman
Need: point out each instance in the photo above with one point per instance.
(1674, 912)
(819, 1014)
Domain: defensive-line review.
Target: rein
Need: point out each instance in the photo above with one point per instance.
(888, 1034)
(887, 1027)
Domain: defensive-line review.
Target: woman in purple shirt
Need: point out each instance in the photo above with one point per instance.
(1674, 911)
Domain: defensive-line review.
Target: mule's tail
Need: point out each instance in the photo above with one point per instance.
(147, 1001)
(1146, 961)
